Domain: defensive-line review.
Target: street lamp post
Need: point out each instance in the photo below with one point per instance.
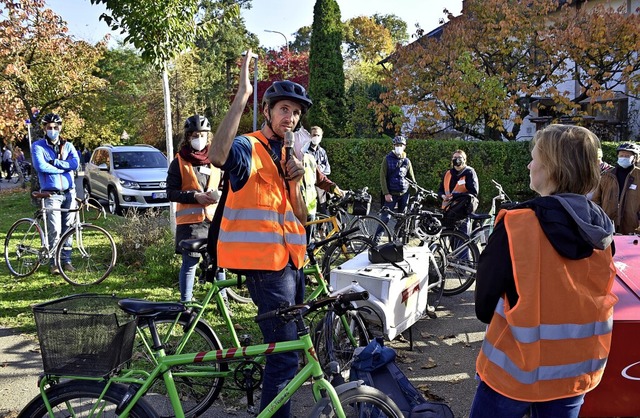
(286, 43)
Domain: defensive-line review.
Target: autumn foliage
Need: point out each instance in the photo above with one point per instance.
(480, 75)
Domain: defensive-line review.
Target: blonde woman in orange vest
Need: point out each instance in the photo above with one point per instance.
(261, 231)
(192, 182)
(544, 287)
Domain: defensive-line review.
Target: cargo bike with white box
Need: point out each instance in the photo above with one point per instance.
(405, 283)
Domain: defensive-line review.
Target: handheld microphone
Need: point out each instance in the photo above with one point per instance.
(288, 144)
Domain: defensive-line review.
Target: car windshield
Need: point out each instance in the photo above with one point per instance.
(137, 159)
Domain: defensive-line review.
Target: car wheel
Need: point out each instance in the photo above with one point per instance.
(86, 189)
(113, 203)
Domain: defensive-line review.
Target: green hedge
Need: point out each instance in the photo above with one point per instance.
(355, 163)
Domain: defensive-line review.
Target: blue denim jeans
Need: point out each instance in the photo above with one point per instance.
(270, 290)
(490, 404)
(58, 222)
(401, 202)
(187, 275)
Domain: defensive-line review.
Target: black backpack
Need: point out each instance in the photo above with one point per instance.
(375, 365)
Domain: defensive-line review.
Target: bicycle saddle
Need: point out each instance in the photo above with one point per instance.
(145, 308)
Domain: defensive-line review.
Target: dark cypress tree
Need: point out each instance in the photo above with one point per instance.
(326, 73)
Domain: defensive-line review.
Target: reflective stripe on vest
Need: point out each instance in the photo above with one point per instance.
(555, 341)
(191, 213)
(259, 230)
(459, 188)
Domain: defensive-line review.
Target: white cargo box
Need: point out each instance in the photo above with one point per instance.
(399, 300)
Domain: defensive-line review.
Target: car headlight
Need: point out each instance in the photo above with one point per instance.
(129, 184)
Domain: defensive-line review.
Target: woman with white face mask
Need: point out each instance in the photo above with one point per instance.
(193, 183)
(619, 190)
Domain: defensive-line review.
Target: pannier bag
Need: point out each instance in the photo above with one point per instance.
(359, 204)
(375, 365)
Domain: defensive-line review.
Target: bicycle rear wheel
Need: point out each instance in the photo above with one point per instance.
(22, 247)
(198, 385)
(461, 261)
(333, 341)
(436, 277)
(78, 398)
(343, 250)
(362, 401)
(369, 225)
(93, 255)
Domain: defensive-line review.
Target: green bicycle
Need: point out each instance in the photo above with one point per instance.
(336, 333)
(65, 391)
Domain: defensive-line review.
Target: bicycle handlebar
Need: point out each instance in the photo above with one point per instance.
(304, 309)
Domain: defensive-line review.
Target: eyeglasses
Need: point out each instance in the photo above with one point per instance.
(198, 135)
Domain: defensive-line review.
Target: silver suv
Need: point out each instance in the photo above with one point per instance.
(127, 177)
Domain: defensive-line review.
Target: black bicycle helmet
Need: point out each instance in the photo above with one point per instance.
(197, 123)
(629, 146)
(401, 140)
(281, 90)
(51, 118)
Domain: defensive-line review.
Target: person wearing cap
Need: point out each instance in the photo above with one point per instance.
(55, 160)
(192, 182)
(618, 192)
(395, 169)
(260, 232)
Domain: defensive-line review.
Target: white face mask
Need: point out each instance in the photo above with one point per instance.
(53, 135)
(398, 150)
(625, 162)
(316, 140)
(199, 143)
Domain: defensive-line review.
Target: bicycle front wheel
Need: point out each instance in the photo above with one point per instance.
(344, 250)
(93, 255)
(461, 261)
(336, 338)
(80, 399)
(23, 246)
(362, 401)
(198, 385)
(369, 225)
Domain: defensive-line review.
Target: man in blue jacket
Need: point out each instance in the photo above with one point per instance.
(55, 160)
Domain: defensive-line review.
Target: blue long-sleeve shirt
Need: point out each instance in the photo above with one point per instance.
(55, 172)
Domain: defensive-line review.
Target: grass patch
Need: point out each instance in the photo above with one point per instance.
(146, 271)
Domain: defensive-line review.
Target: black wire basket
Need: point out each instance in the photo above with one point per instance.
(84, 335)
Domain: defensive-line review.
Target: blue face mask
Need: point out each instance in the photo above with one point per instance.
(624, 162)
(53, 135)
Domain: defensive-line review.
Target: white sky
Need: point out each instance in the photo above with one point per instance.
(284, 16)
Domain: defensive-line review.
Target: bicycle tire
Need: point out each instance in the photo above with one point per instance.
(23, 247)
(435, 291)
(343, 250)
(76, 399)
(239, 294)
(93, 255)
(332, 342)
(369, 225)
(196, 393)
(361, 401)
(461, 262)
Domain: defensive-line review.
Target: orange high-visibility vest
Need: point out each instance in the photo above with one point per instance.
(191, 213)
(259, 230)
(555, 341)
(460, 187)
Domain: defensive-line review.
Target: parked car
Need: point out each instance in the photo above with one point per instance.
(127, 177)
